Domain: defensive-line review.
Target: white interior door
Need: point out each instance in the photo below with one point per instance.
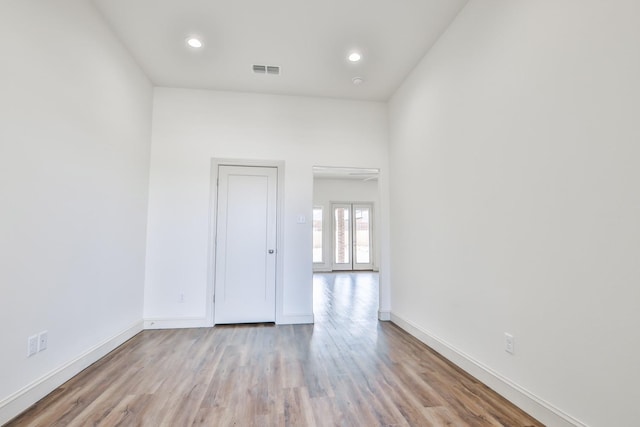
(245, 266)
(352, 236)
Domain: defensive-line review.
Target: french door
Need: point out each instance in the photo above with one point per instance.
(352, 236)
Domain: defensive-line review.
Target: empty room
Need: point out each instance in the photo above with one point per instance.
(336, 213)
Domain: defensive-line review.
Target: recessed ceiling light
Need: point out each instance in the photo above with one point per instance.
(194, 42)
(357, 81)
(355, 57)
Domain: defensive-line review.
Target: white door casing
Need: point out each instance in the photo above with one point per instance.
(246, 253)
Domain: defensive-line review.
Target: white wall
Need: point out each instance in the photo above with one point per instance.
(75, 121)
(192, 127)
(515, 202)
(327, 191)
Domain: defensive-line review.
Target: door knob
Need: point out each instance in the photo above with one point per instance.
(271, 251)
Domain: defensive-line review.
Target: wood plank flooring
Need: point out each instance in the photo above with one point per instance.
(346, 370)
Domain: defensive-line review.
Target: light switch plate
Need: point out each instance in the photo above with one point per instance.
(32, 345)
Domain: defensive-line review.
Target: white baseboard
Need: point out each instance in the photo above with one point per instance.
(540, 409)
(384, 316)
(295, 319)
(177, 323)
(19, 401)
(202, 322)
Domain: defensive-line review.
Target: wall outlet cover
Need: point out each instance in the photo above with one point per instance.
(508, 343)
(43, 339)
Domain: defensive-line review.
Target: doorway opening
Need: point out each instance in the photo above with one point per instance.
(345, 242)
(345, 219)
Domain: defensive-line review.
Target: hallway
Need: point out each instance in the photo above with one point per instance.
(345, 296)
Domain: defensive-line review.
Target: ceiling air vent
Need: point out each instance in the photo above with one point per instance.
(266, 69)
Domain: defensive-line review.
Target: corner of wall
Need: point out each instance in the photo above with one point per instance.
(21, 400)
(535, 406)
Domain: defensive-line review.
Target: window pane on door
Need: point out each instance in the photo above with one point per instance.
(363, 224)
(342, 235)
(317, 235)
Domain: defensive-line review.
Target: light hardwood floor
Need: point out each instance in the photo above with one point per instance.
(346, 370)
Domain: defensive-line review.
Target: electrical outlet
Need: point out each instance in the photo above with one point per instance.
(43, 337)
(508, 343)
(32, 345)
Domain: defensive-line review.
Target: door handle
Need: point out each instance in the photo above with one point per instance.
(271, 251)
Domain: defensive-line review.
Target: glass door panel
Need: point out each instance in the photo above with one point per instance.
(362, 234)
(342, 237)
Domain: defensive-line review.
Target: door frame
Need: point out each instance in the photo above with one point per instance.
(213, 209)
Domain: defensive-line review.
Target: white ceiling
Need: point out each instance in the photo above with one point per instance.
(309, 40)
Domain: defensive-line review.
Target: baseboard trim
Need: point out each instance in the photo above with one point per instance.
(177, 323)
(202, 322)
(295, 319)
(384, 316)
(16, 403)
(537, 407)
